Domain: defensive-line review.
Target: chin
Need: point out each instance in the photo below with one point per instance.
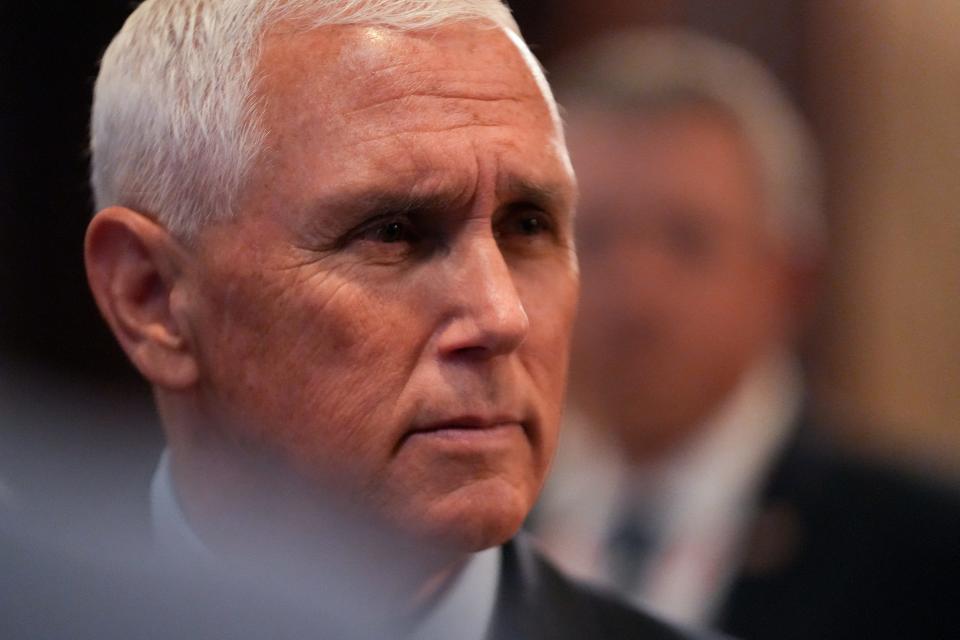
(474, 518)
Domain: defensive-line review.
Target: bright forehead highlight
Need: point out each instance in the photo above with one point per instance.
(546, 93)
(538, 75)
(375, 34)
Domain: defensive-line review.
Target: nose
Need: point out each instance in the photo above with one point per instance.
(486, 314)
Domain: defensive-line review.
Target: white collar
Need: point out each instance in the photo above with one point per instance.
(715, 476)
(726, 456)
(702, 497)
(171, 531)
(464, 610)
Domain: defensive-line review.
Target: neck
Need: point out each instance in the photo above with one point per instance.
(247, 518)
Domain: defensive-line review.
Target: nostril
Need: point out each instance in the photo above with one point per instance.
(471, 353)
(485, 333)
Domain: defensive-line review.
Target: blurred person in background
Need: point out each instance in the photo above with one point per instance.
(336, 237)
(690, 475)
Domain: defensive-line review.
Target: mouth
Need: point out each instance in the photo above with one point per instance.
(468, 430)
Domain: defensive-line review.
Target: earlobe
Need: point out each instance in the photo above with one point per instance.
(135, 270)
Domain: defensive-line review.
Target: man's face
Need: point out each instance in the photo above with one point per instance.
(389, 316)
(682, 285)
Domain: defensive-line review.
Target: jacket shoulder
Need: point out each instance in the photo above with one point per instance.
(847, 547)
(537, 601)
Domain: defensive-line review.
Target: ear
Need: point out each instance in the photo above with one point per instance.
(136, 271)
(800, 282)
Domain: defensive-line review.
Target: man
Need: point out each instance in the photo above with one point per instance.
(690, 479)
(336, 238)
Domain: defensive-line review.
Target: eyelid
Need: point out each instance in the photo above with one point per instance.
(547, 218)
(375, 222)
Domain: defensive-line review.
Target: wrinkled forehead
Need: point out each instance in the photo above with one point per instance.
(350, 71)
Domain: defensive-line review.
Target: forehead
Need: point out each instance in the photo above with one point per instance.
(659, 141)
(365, 64)
(691, 158)
(377, 98)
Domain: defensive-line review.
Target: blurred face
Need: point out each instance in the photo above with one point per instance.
(682, 288)
(389, 317)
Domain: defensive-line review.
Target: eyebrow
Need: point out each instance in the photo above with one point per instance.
(545, 195)
(364, 203)
(511, 189)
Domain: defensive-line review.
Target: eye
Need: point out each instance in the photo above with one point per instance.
(525, 222)
(392, 232)
(531, 225)
(687, 239)
(391, 238)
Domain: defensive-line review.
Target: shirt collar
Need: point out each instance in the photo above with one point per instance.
(466, 606)
(716, 475)
(171, 531)
(689, 488)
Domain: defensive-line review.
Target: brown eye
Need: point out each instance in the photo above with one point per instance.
(392, 232)
(391, 239)
(524, 223)
(531, 225)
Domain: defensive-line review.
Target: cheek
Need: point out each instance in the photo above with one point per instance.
(735, 305)
(550, 301)
(311, 365)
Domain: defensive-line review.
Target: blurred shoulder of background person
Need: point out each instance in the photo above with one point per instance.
(692, 473)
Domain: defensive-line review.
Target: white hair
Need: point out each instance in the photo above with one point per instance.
(671, 68)
(175, 129)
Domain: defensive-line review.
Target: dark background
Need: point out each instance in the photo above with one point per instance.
(49, 56)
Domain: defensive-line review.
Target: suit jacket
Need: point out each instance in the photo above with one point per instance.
(50, 592)
(73, 569)
(59, 585)
(846, 549)
(537, 602)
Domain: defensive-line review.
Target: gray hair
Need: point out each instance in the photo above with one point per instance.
(175, 129)
(669, 68)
